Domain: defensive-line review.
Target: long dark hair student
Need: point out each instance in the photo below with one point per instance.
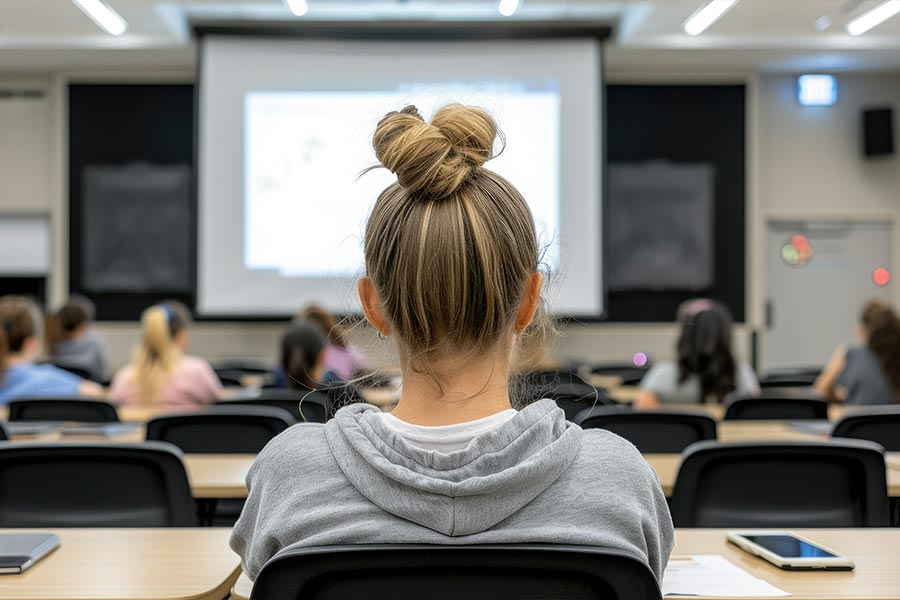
(704, 348)
(302, 347)
(882, 327)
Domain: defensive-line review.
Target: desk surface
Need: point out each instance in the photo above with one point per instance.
(129, 564)
(223, 475)
(875, 551)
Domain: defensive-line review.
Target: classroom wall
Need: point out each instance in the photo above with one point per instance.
(803, 163)
(25, 147)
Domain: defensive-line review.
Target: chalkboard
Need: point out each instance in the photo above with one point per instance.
(663, 234)
(138, 236)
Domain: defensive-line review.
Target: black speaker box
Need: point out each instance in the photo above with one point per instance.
(878, 131)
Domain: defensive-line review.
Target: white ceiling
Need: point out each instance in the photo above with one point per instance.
(764, 35)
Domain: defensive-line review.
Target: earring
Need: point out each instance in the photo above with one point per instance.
(382, 336)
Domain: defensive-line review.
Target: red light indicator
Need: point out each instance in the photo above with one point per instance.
(881, 276)
(800, 242)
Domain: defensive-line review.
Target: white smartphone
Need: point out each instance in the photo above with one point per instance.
(788, 551)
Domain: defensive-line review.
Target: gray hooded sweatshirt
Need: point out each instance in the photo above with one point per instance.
(536, 478)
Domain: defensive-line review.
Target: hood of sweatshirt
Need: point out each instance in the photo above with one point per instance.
(464, 492)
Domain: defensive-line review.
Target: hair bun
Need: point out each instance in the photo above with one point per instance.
(437, 158)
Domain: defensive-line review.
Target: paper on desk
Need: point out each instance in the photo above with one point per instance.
(713, 575)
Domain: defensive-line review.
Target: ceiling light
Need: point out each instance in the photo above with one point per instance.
(816, 90)
(870, 19)
(508, 8)
(706, 15)
(298, 7)
(823, 23)
(105, 17)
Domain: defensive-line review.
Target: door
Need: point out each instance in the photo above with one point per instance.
(819, 273)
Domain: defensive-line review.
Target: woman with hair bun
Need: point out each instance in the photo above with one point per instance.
(868, 373)
(161, 374)
(452, 279)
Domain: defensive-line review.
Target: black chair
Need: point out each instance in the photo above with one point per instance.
(880, 425)
(63, 409)
(232, 371)
(574, 398)
(630, 374)
(4, 434)
(89, 485)
(772, 407)
(304, 406)
(652, 432)
(221, 430)
(784, 484)
(438, 572)
(802, 378)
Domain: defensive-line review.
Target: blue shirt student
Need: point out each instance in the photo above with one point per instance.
(30, 380)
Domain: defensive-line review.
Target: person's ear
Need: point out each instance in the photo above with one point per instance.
(531, 299)
(181, 339)
(371, 304)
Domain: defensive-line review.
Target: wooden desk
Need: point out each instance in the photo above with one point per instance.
(875, 551)
(607, 382)
(126, 564)
(223, 475)
(218, 475)
(666, 467)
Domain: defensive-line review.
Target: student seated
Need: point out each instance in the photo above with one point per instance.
(20, 344)
(706, 369)
(452, 278)
(303, 348)
(160, 372)
(868, 373)
(70, 342)
(340, 357)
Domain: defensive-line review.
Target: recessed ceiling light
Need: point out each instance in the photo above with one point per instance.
(298, 7)
(876, 16)
(104, 16)
(508, 8)
(706, 15)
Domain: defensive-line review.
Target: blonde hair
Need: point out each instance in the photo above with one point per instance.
(450, 245)
(157, 354)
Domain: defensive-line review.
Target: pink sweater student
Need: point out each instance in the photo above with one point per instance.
(160, 374)
(191, 383)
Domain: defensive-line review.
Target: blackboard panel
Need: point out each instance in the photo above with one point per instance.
(685, 124)
(117, 125)
(138, 237)
(663, 238)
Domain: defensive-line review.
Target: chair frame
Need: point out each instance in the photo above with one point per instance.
(20, 405)
(705, 424)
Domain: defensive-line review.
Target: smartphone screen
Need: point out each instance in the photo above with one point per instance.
(789, 547)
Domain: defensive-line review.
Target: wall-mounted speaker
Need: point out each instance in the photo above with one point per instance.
(878, 131)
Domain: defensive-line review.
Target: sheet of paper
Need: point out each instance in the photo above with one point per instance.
(713, 575)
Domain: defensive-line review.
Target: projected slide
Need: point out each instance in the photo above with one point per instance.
(304, 202)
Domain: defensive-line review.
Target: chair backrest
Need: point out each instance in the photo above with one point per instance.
(630, 374)
(784, 484)
(4, 434)
(880, 425)
(63, 409)
(774, 407)
(222, 429)
(790, 378)
(413, 572)
(651, 431)
(304, 406)
(94, 485)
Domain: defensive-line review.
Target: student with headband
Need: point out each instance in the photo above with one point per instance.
(160, 372)
(706, 369)
(20, 344)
